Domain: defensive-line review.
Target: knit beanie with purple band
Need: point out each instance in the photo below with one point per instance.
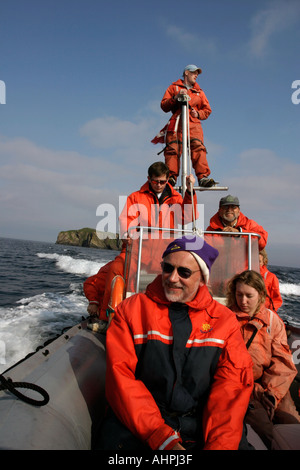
(204, 254)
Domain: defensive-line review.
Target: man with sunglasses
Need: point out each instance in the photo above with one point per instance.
(155, 204)
(178, 373)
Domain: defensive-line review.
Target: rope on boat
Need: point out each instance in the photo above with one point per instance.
(8, 384)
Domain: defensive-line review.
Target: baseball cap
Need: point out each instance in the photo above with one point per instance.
(192, 68)
(229, 201)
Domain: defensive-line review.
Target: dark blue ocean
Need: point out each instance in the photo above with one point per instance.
(41, 292)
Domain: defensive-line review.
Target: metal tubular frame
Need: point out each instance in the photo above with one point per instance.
(186, 231)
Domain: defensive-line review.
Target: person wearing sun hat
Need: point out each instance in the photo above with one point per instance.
(171, 135)
(178, 372)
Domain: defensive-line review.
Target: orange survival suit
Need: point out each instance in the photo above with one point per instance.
(162, 399)
(244, 225)
(142, 208)
(273, 366)
(173, 136)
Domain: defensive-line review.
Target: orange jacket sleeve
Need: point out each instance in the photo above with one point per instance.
(274, 293)
(168, 102)
(229, 397)
(93, 289)
(272, 286)
(278, 376)
(94, 286)
(253, 227)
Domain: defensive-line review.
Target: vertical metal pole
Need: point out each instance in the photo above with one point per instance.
(184, 146)
(138, 272)
(249, 252)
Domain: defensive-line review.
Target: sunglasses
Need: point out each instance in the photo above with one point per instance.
(185, 273)
(159, 181)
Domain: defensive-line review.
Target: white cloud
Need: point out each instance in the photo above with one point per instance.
(111, 132)
(190, 41)
(267, 23)
(43, 191)
(55, 190)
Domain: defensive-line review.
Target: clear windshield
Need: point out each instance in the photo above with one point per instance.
(236, 253)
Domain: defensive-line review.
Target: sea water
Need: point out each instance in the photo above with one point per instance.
(41, 292)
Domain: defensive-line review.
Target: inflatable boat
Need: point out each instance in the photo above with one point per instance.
(55, 398)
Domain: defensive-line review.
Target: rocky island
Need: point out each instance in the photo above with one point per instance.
(90, 238)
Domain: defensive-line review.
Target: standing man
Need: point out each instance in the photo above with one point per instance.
(178, 372)
(198, 110)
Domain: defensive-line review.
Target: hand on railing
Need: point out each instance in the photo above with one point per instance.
(190, 182)
(230, 229)
(182, 96)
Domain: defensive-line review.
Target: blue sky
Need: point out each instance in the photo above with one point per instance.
(84, 80)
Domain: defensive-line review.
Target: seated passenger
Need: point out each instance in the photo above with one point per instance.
(93, 288)
(273, 368)
(229, 218)
(156, 204)
(274, 299)
(178, 373)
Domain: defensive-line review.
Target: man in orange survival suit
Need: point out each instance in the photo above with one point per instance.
(198, 110)
(156, 204)
(181, 376)
(229, 218)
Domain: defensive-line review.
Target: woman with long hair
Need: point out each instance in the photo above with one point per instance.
(273, 368)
